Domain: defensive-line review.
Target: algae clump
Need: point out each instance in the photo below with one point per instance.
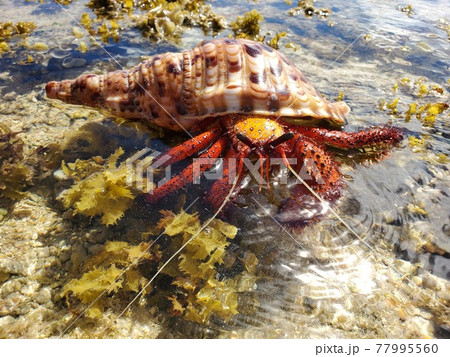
(197, 291)
(200, 292)
(158, 19)
(274, 41)
(431, 111)
(8, 30)
(110, 271)
(167, 19)
(101, 188)
(248, 26)
(307, 8)
(393, 107)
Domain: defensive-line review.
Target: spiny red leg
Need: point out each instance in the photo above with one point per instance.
(322, 175)
(322, 170)
(372, 137)
(221, 188)
(188, 174)
(190, 147)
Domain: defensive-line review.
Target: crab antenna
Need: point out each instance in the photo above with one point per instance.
(281, 139)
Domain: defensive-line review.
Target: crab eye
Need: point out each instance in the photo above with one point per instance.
(281, 139)
(246, 140)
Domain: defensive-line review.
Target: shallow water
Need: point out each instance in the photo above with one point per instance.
(391, 280)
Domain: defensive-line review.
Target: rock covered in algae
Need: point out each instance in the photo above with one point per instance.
(157, 19)
(167, 19)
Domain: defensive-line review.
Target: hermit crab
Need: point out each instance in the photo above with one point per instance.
(243, 100)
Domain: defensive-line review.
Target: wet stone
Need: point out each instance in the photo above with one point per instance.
(78, 256)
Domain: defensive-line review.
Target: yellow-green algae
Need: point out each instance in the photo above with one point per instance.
(8, 30)
(113, 269)
(340, 96)
(157, 19)
(307, 8)
(101, 187)
(196, 293)
(295, 47)
(248, 26)
(199, 293)
(425, 112)
(274, 41)
(420, 145)
(406, 9)
(107, 30)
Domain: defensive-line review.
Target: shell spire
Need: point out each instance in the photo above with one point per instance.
(218, 77)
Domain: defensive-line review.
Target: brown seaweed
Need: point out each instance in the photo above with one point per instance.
(15, 176)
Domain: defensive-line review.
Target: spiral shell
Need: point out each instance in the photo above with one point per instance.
(224, 76)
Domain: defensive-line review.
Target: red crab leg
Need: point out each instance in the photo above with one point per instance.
(222, 187)
(319, 165)
(190, 147)
(382, 135)
(188, 175)
(323, 178)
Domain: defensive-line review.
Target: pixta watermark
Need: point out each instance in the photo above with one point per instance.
(143, 166)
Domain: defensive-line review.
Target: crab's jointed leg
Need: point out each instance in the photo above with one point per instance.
(323, 178)
(188, 175)
(190, 147)
(233, 166)
(372, 137)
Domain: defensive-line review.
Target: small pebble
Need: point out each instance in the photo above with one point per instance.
(77, 32)
(78, 256)
(424, 46)
(417, 280)
(43, 296)
(60, 175)
(70, 62)
(10, 96)
(3, 276)
(39, 46)
(58, 53)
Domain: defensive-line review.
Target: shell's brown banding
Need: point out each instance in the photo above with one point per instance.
(215, 78)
